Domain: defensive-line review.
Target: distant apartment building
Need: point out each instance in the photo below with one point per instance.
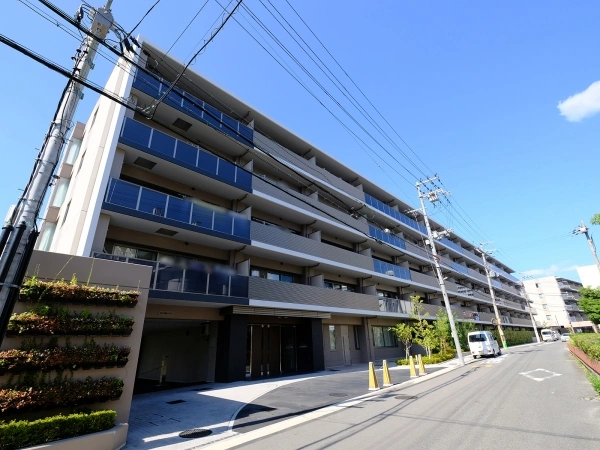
(269, 256)
(556, 302)
(589, 276)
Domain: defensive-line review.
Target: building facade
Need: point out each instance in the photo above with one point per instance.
(269, 256)
(589, 276)
(556, 301)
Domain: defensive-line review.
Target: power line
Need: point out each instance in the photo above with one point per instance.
(142, 19)
(185, 29)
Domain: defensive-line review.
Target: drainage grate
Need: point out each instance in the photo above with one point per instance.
(195, 433)
(174, 402)
(406, 397)
(338, 394)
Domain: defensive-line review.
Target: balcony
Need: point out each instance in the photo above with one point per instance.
(379, 205)
(288, 241)
(570, 296)
(190, 277)
(301, 296)
(378, 234)
(567, 286)
(133, 200)
(582, 324)
(161, 145)
(391, 269)
(193, 107)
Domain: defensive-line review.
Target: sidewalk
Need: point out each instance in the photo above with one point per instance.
(156, 419)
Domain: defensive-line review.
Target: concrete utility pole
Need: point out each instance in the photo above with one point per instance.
(433, 196)
(583, 229)
(489, 279)
(17, 238)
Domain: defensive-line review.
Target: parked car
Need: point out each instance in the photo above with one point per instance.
(483, 343)
(547, 335)
(565, 337)
(555, 335)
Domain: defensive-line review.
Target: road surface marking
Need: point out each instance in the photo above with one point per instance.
(542, 374)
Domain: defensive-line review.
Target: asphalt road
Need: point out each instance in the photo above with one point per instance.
(490, 404)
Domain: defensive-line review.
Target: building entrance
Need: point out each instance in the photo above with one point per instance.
(271, 350)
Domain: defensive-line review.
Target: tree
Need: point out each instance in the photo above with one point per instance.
(595, 220)
(443, 330)
(463, 329)
(590, 303)
(405, 335)
(429, 339)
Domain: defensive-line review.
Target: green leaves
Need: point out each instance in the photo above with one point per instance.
(595, 220)
(588, 343)
(590, 303)
(23, 433)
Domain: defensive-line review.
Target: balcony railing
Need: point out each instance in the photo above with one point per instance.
(154, 203)
(189, 276)
(389, 238)
(377, 204)
(145, 138)
(459, 268)
(194, 107)
(391, 269)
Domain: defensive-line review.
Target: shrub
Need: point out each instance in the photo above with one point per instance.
(436, 358)
(58, 393)
(35, 290)
(48, 321)
(23, 433)
(588, 343)
(514, 337)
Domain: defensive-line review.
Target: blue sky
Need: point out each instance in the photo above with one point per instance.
(473, 87)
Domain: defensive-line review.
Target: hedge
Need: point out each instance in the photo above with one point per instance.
(47, 322)
(23, 433)
(588, 343)
(435, 358)
(52, 357)
(59, 393)
(514, 337)
(35, 290)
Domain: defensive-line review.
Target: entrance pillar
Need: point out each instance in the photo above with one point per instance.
(231, 348)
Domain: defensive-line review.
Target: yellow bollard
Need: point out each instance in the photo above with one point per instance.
(413, 372)
(387, 379)
(421, 366)
(373, 385)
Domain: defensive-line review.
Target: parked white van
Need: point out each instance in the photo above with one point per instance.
(547, 335)
(482, 343)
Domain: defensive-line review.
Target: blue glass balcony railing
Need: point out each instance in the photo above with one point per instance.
(505, 274)
(150, 140)
(448, 243)
(190, 276)
(391, 269)
(154, 203)
(459, 268)
(372, 201)
(376, 233)
(497, 284)
(194, 107)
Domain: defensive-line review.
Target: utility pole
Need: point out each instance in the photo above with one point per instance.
(433, 196)
(491, 287)
(19, 234)
(583, 229)
(524, 293)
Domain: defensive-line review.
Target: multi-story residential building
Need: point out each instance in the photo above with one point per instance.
(556, 301)
(589, 276)
(269, 256)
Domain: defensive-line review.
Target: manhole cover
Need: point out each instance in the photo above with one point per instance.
(338, 394)
(195, 433)
(406, 397)
(174, 402)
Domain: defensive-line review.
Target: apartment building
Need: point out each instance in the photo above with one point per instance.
(589, 276)
(555, 300)
(269, 256)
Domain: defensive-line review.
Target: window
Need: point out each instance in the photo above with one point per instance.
(541, 295)
(548, 317)
(72, 151)
(386, 294)
(537, 285)
(273, 275)
(339, 286)
(332, 342)
(137, 253)
(384, 337)
(356, 338)
(477, 338)
(545, 306)
(60, 192)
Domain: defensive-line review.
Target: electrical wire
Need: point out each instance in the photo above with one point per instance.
(185, 29)
(142, 19)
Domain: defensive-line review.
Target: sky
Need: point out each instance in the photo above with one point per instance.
(500, 99)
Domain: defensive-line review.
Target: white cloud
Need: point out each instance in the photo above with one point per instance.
(581, 105)
(554, 269)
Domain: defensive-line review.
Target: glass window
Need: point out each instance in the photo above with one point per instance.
(541, 295)
(477, 338)
(548, 317)
(47, 236)
(60, 192)
(356, 338)
(378, 337)
(272, 276)
(128, 252)
(545, 306)
(73, 151)
(332, 342)
(388, 337)
(537, 285)
(339, 286)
